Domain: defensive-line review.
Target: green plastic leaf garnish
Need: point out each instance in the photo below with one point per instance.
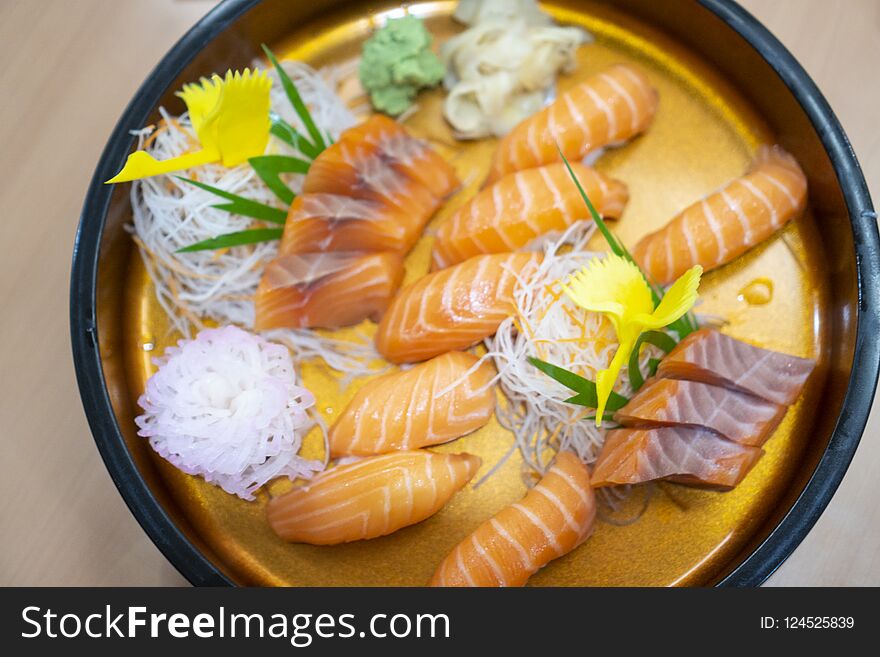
(657, 338)
(585, 389)
(290, 135)
(270, 167)
(317, 139)
(239, 238)
(241, 205)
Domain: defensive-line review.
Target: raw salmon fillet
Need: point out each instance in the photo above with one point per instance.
(405, 410)
(734, 415)
(332, 222)
(726, 224)
(685, 455)
(371, 497)
(712, 357)
(364, 204)
(451, 309)
(326, 290)
(379, 161)
(551, 520)
(411, 156)
(522, 206)
(606, 109)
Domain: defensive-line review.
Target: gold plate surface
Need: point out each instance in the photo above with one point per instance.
(703, 136)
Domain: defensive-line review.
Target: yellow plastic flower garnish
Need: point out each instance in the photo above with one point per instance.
(230, 117)
(615, 287)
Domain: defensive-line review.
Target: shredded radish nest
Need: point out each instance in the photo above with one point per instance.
(226, 406)
(549, 326)
(169, 213)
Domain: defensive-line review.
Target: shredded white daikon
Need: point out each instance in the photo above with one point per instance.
(226, 406)
(549, 326)
(343, 78)
(218, 286)
(503, 68)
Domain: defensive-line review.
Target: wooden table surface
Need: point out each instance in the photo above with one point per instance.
(68, 70)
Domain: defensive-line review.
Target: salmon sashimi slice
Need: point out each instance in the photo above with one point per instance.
(331, 222)
(734, 415)
(606, 109)
(371, 497)
(432, 403)
(369, 162)
(359, 171)
(712, 357)
(685, 455)
(326, 290)
(409, 155)
(726, 224)
(551, 520)
(452, 309)
(522, 206)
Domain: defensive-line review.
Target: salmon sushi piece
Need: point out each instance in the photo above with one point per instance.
(371, 163)
(522, 206)
(726, 224)
(713, 357)
(684, 455)
(733, 415)
(451, 309)
(326, 290)
(331, 222)
(372, 497)
(552, 519)
(405, 410)
(606, 109)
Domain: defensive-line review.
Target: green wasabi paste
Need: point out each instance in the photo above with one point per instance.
(397, 62)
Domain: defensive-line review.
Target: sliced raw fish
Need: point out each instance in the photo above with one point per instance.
(327, 290)
(686, 455)
(332, 222)
(378, 163)
(734, 415)
(713, 357)
(406, 153)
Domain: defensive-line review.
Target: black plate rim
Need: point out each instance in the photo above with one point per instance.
(759, 565)
(850, 425)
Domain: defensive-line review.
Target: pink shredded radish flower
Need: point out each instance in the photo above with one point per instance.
(226, 406)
